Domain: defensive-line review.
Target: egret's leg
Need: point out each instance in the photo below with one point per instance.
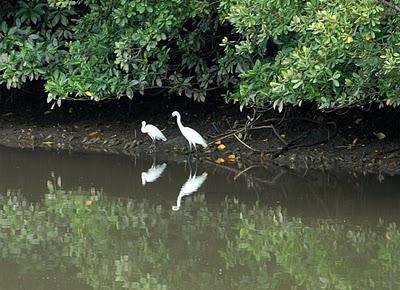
(190, 148)
(153, 146)
(154, 143)
(195, 148)
(190, 169)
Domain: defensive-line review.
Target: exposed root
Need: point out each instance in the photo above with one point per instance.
(294, 143)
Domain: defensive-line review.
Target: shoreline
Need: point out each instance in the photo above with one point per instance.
(379, 157)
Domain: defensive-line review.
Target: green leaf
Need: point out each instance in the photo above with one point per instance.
(335, 82)
(4, 27)
(129, 93)
(55, 20)
(298, 84)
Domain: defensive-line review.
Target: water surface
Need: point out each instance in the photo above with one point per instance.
(98, 221)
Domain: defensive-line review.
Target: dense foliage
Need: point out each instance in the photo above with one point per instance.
(333, 53)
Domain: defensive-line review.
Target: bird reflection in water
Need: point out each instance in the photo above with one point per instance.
(190, 186)
(153, 173)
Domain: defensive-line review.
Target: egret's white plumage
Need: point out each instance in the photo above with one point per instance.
(191, 135)
(191, 185)
(153, 132)
(153, 173)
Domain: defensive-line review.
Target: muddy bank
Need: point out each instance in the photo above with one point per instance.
(353, 143)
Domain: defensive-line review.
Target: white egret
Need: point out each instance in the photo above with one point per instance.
(191, 135)
(153, 132)
(153, 173)
(191, 185)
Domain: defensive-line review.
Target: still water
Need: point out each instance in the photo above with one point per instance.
(97, 221)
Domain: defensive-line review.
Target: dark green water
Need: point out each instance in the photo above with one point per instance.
(92, 221)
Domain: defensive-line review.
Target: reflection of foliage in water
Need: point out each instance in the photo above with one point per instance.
(135, 245)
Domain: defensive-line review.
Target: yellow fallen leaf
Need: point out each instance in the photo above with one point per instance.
(47, 142)
(88, 202)
(94, 133)
(217, 142)
(219, 160)
(231, 157)
(88, 93)
(221, 147)
(47, 112)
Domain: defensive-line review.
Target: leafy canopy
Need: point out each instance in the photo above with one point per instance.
(334, 53)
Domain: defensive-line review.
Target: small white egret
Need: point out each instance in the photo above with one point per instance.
(153, 132)
(191, 135)
(191, 185)
(153, 173)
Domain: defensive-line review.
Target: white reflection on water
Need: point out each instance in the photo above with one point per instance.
(153, 173)
(191, 185)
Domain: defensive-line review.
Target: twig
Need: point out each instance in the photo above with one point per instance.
(278, 136)
(239, 131)
(389, 151)
(217, 137)
(247, 146)
(289, 145)
(215, 127)
(245, 170)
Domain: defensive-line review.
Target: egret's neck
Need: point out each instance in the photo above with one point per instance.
(178, 201)
(143, 125)
(178, 204)
(178, 120)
